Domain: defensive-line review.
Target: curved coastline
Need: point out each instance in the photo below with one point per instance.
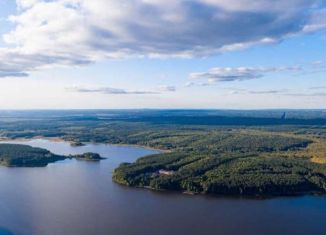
(189, 191)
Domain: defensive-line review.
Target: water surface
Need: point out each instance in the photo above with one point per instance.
(78, 197)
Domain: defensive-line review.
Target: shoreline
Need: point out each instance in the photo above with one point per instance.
(60, 139)
(233, 196)
(187, 193)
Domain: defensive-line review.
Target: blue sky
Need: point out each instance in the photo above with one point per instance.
(74, 54)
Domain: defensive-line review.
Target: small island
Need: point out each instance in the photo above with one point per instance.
(17, 155)
(88, 156)
(77, 144)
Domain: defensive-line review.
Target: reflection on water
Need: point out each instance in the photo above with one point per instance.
(78, 197)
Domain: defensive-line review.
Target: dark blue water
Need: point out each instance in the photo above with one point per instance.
(79, 197)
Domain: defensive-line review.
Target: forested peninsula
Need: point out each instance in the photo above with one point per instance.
(18, 155)
(231, 162)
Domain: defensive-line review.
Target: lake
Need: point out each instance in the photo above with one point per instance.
(78, 197)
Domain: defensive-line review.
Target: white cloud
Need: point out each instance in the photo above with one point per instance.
(119, 91)
(237, 74)
(166, 88)
(109, 90)
(282, 92)
(66, 32)
(317, 21)
(317, 94)
(24, 4)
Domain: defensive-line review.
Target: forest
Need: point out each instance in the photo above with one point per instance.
(236, 161)
(87, 156)
(14, 155)
(206, 151)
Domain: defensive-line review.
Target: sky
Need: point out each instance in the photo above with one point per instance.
(223, 54)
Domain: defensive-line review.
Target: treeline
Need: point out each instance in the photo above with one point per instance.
(137, 127)
(89, 156)
(236, 175)
(17, 155)
(24, 155)
(228, 161)
(227, 121)
(253, 154)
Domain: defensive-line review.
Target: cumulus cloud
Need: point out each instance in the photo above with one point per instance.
(13, 63)
(72, 32)
(317, 21)
(219, 74)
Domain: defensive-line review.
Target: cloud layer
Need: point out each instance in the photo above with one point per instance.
(74, 32)
(118, 91)
(283, 92)
(219, 74)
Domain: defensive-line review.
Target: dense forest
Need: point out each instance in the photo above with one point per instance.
(24, 155)
(233, 171)
(18, 155)
(223, 152)
(88, 156)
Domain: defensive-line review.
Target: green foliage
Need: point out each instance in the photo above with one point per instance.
(88, 156)
(233, 161)
(251, 175)
(23, 155)
(208, 151)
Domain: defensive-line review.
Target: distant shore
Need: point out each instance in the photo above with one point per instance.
(60, 139)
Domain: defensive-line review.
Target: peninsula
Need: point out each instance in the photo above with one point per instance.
(18, 155)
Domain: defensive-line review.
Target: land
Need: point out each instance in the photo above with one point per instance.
(19, 155)
(77, 144)
(16, 155)
(234, 162)
(205, 151)
(88, 156)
